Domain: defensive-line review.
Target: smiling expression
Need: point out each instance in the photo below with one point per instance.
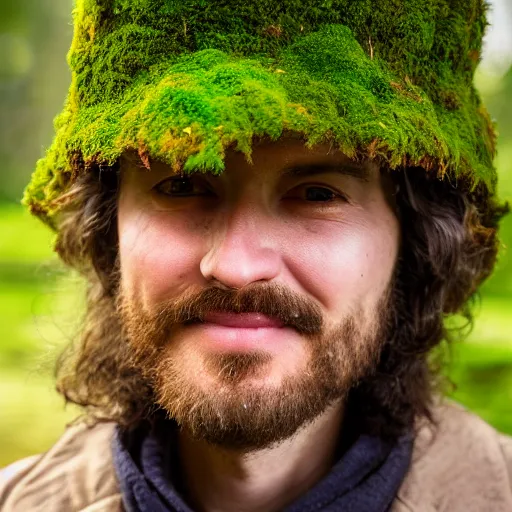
(310, 226)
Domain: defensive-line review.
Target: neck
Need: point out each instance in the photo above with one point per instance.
(217, 479)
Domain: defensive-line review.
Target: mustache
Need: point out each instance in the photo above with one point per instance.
(273, 300)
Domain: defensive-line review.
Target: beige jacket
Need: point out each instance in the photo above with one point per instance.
(465, 467)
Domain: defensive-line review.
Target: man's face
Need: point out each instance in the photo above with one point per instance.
(256, 299)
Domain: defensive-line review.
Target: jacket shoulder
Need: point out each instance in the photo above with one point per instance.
(463, 464)
(506, 446)
(76, 474)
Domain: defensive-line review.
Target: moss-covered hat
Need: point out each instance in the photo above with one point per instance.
(181, 80)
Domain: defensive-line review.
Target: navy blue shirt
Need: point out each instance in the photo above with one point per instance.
(365, 478)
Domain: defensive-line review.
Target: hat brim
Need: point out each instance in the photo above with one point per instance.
(187, 110)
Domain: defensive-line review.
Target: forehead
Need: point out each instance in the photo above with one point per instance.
(291, 157)
(269, 160)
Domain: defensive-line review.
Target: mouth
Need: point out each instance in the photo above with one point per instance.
(242, 320)
(227, 332)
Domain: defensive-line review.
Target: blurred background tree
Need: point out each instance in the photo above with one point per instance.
(40, 303)
(34, 78)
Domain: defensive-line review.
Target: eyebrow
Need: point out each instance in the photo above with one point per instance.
(347, 169)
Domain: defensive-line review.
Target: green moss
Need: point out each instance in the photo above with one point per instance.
(182, 81)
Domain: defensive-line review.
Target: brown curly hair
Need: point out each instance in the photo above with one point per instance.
(449, 247)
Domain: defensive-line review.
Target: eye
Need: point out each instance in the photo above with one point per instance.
(316, 193)
(183, 186)
(319, 194)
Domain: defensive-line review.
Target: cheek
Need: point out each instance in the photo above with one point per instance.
(346, 265)
(158, 258)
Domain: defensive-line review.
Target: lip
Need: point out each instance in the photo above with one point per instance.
(242, 320)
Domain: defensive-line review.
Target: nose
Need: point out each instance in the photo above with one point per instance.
(242, 250)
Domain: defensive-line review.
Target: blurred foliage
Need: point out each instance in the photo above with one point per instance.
(41, 304)
(497, 95)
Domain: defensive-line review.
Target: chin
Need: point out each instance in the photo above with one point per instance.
(243, 401)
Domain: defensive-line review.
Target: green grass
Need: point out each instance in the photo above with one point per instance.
(33, 415)
(40, 309)
(24, 239)
(36, 317)
(39, 312)
(483, 374)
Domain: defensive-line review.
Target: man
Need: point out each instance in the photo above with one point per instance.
(276, 206)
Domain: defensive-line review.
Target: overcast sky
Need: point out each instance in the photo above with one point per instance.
(497, 56)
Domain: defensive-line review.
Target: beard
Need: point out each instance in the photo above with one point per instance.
(238, 411)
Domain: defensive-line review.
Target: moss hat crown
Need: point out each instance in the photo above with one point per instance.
(182, 80)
